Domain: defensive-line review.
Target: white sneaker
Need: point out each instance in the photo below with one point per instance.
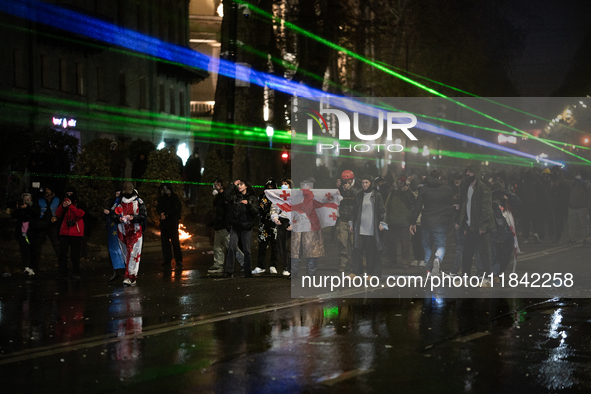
(422, 263)
(414, 263)
(486, 283)
(286, 273)
(258, 270)
(273, 270)
(29, 271)
(435, 270)
(127, 282)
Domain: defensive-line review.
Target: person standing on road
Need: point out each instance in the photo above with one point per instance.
(242, 213)
(399, 206)
(476, 220)
(435, 204)
(267, 232)
(44, 225)
(71, 232)
(115, 255)
(169, 208)
(221, 228)
(130, 213)
(369, 220)
(348, 190)
(283, 230)
(504, 241)
(23, 214)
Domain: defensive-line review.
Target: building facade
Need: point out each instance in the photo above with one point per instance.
(50, 77)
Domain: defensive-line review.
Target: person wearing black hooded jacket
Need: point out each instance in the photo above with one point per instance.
(241, 216)
(436, 205)
(169, 208)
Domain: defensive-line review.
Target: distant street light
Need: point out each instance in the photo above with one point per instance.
(270, 133)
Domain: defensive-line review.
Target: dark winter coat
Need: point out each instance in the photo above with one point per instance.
(267, 229)
(193, 169)
(347, 205)
(221, 208)
(171, 206)
(435, 202)
(21, 215)
(379, 217)
(579, 195)
(481, 215)
(399, 208)
(241, 216)
(502, 231)
(139, 168)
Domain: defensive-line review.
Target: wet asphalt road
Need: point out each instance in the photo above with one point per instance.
(186, 332)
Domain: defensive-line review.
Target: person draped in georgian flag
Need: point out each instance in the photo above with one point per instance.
(309, 211)
(130, 213)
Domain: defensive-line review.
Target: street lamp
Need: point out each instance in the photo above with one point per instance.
(270, 133)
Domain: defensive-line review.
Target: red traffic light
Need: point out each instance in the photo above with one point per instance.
(285, 156)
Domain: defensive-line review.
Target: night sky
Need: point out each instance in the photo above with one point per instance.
(553, 31)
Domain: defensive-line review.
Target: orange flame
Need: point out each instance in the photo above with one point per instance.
(183, 234)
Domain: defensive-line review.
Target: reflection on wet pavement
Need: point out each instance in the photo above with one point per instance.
(140, 338)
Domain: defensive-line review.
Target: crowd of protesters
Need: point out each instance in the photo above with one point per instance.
(387, 221)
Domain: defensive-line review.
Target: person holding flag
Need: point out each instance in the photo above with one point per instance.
(309, 211)
(281, 220)
(112, 240)
(130, 213)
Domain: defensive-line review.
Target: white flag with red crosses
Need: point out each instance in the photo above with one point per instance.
(307, 210)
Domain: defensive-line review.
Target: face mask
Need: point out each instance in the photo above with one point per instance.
(470, 179)
(285, 187)
(215, 192)
(128, 196)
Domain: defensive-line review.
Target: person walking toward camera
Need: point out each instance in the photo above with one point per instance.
(130, 213)
(71, 233)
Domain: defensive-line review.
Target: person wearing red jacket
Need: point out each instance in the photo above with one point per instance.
(71, 232)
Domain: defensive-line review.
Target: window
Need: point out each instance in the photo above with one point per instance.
(182, 103)
(80, 79)
(17, 56)
(162, 107)
(100, 84)
(172, 101)
(143, 104)
(122, 89)
(45, 71)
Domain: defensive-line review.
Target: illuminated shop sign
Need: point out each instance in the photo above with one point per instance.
(64, 122)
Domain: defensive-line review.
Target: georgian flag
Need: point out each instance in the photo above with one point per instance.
(307, 210)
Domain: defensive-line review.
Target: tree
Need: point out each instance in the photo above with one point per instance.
(91, 176)
(163, 167)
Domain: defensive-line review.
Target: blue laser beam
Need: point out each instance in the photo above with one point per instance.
(91, 27)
